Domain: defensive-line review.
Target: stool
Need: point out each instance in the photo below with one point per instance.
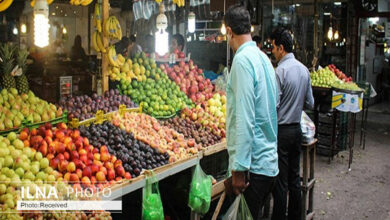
(308, 180)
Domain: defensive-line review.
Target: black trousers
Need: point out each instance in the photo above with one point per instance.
(289, 149)
(260, 187)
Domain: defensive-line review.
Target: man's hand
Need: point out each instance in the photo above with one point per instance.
(239, 182)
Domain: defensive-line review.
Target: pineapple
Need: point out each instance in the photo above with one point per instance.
(21, 81)
(6, 54)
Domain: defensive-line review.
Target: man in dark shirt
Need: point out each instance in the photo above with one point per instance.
(295, 91)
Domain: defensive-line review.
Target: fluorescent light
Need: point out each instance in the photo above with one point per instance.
(191, 22)
(15, 31)
(41, 23)
(373, 20)
(327, 13)
(23, 28)
(252, 28)
(337, 3)
(297, 5)
(223, 29)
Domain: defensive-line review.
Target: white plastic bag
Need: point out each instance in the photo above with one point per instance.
(239, 210)
(308, 128)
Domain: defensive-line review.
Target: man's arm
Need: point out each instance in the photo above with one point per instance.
(243, 89)
(279, 75)
(309, 100)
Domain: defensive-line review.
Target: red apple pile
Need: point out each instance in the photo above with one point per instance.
(206, 119)
(76, 160)
(191, 81)
(148, 130)
(339, 73)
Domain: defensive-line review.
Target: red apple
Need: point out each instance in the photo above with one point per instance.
(93, 180)
(60, 157)
(120, 171)
(103, 149)
(67, 176)
(79, 173)
(104, 156)
(63, 165)
(74, 178)
(100, 176)
(127, 175)
(75, 134)
(108, 165)
(43, 148)
(84, 159)
(94, 168)
(110, 174)
(74, 155)
(66, 155)
(54, 163)
(86, 181)
(104, 170)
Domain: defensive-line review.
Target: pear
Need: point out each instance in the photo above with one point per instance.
(1, 100)
(7, 105)
(59, 112)
(2, 126)
(17, 122)
(8, 123)
(24, 97)
(4, 92)
(10, 115)
(30, 118)
(40, 110)
(5, 97)
(37, 118)
(45, 117)
(31, 99)
(52, 115)
(25, 112)
(14, 91)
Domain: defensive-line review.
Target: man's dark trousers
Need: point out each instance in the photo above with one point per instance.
(289, 149)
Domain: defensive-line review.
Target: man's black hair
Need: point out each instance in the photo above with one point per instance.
(132, 38)
(257, 39)
(238, 19)
(179, 39)
(283, 37)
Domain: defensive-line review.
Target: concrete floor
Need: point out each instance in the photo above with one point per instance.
(363, 192)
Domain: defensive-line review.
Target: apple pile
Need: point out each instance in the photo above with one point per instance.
(85, 107)
(339, 73)
(191, 129)
(206, 119)
(148, 130)
(191, 80)
(134, 154)
(21, 166)
(74, 157)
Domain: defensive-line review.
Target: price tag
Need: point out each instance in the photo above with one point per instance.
(99, 117)
(75, 122)
(122, 110)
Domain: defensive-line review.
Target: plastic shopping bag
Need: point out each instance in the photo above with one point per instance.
(308, 128)
(152, 208)
(200, 191)
(239, 210)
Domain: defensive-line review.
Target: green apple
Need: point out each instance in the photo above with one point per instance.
(51, 179)
(41, 175)
(29, 175)
(3, 188)
(19, 172)
(38, 156)
(35, 169)
(18, 144)
(8, 161)
(44, 163)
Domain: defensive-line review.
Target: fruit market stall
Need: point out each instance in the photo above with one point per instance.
(335, 95)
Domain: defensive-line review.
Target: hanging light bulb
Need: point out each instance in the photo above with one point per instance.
(23, 28)
(191, 22)
(223, 29)
(252, 28)
(336, 35)
(161, 35)
(15, 31)
(41, 23)
(64, 31)
(330, 33)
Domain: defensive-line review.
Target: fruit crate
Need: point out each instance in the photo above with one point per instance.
(63, 118)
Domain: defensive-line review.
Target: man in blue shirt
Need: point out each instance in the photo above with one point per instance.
(294, 92)
(251, 114)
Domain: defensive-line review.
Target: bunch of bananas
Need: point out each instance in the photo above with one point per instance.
(179, 3)
(32, 3)
(115, 60)
(80, 2)
(97, 17)
(158, 1)
(112, 28)
(97, 42)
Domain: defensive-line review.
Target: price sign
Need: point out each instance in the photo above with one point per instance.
(99, 117)
(122, 110)
(75, 122)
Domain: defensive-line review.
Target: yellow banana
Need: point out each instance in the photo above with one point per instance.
(99, 43)
(32, 3)
(86, 2)
(121, 60)
(106, 27)
(49, 1)
(5, 4)
(76, 2)
(94, 42)
(112, 58)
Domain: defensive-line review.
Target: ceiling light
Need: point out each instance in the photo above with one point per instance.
(337, 3)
